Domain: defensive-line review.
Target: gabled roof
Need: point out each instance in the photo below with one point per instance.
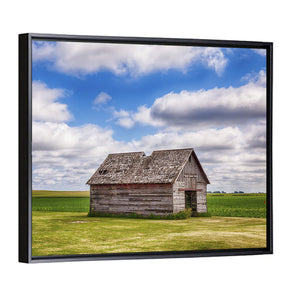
(161, 166)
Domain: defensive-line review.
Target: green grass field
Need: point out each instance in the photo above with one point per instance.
(62, 233)
(60, 226)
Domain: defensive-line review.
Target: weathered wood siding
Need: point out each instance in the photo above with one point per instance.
(190, 178)
(201, 197)
(144, 199)
(178, 196)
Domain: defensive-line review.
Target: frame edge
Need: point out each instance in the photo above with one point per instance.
(24, 149)
(269, 148)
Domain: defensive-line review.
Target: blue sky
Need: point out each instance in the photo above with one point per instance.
(90, 100)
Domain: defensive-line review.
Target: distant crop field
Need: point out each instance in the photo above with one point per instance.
(60, 194)
(68, 201)
(237, 205)
(223, 205)
(71, 204)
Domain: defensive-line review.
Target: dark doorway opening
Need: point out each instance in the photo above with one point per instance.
(191, 201)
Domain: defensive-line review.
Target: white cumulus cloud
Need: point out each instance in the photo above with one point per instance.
(101, 99)
(200, 140)
(215, 107)
(262, 52)
(45, 105)
(68, 155)
(87, 58)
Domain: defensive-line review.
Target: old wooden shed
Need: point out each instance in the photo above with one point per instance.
(167, 181)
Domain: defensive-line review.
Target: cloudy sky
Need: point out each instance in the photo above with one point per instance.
(92, 99)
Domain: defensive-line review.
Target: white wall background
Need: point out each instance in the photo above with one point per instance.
(249, 277)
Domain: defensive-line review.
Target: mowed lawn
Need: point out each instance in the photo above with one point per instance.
(60, 226)
(62, 233)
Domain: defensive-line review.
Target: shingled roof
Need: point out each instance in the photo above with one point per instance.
(161, 166)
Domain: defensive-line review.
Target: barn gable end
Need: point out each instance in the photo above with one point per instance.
(193, 179)
(154, 184)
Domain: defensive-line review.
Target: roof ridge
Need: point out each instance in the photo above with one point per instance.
(178, 149)
(133, 152)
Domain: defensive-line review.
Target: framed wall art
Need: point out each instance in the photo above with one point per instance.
(134, 147)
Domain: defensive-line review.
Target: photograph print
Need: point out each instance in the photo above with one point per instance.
(147, 148)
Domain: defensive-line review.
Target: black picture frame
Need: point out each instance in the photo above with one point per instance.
(25, 150)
